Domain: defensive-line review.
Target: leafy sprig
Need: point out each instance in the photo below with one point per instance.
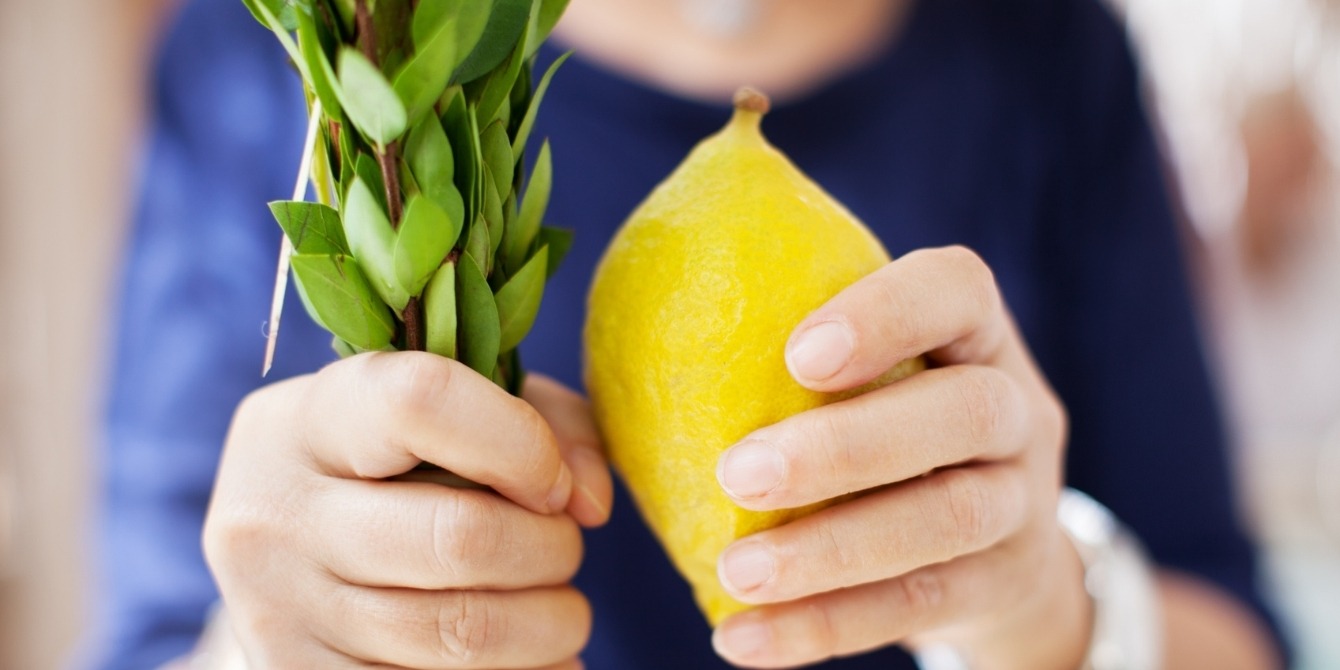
(427, 234)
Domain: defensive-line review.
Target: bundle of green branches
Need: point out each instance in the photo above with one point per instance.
(425, 235)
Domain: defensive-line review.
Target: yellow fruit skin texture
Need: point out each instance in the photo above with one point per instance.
(688, 320)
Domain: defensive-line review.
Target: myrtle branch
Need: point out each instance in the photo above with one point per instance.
(388, 158)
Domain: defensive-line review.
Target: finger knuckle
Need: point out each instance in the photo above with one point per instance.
(253, 406)
(578, 621)
(919, 593)
(416, 384)
(465, 534)
(826, 437)
(896, 323)
(824, 635)
(984, 394)
(568, 560)
(538, 461)
(971, 514)
(263, 410)
(1055, 419)
(980, 281)
(842, 559)
(236, 535)
(467, 628)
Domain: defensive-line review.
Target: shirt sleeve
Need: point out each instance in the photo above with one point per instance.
(224, 139)
(1147, 438)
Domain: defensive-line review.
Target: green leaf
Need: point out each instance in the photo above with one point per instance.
(343, 300)
(519, 99)
(517, 376)
(369, 101)
(348, 160)
(373, 242)
(342, 349)
(423, 79)
(457, 124)
(313, 228)
(479, 245)
(528, 121)
(533, 206)
(274, 14)
(471, 17)
(451, 202)
(493, 215)
(497, 150)
(480, 330)
(317, 70)
(450, 97)
(430, 158)
(345, 11)
(507, 20)
(425, 237)
(429, 151)
(477, 144)
(367, 169)
(324, 178)
(264, 11)
(509, 213)
(431, 16)
(550, 12)
(519, 301)
(559, 242)
(439, 308)
(307, 303)
(498, 87)
(391, 22)
(409, 184)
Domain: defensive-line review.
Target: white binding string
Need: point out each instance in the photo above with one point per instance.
(286, 247)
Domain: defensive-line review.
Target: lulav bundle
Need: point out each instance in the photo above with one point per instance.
(426, 234)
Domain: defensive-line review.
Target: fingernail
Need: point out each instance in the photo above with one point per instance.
(747, 566)
(820, 352)
(602, 512)
(751, 469)
(741, 640)
(558, 497)
(588, 465)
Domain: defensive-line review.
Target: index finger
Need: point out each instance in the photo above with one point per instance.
(379, 415)
(938, 301)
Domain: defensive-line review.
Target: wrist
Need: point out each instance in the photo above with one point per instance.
(1048, 627)
(1052, 628)
(1092, 604)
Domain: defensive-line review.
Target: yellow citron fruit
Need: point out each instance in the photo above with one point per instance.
(688, 320)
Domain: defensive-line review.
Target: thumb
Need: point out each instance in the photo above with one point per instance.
(569, 416)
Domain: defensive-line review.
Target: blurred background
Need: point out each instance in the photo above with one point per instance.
(1247, 93)
(71, 91)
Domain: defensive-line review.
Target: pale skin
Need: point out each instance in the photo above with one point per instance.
(324, 563)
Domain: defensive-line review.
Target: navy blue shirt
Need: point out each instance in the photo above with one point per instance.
(1012, 127)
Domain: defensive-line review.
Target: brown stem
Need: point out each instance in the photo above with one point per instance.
(413, 314)
(390, 164)
(414, 326)
(367, 39)
(389, 161)
(338, 167)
